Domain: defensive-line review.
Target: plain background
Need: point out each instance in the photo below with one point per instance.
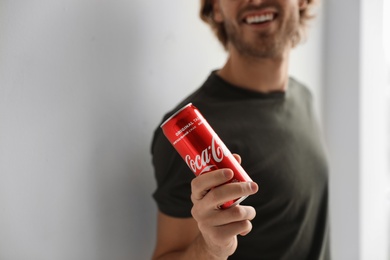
(83, 84)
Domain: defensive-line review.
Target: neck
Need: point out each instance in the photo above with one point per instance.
(258, 74)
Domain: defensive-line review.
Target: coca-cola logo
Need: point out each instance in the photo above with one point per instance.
(201, 162)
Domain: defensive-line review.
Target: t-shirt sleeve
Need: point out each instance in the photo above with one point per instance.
(173, 177)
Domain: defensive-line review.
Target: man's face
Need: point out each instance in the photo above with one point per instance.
(262, 29)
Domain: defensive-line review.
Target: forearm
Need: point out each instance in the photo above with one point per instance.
(196, 250)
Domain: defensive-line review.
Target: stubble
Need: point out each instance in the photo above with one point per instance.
(265, 44)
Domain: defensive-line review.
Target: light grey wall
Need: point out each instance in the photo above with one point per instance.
(375, 133)
(307, 59)
(82, 86)
(341, 115)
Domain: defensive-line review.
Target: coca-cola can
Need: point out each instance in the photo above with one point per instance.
(200, 147)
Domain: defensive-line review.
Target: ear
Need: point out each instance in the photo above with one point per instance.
(217, 14)
(302, 4)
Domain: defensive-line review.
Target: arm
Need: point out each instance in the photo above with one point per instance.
(211, 233)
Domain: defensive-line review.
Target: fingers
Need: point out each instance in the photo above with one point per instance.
(231, 191)
(230, 215)
(205, 182)
(202, 184)
(220, 228)
(232, 221)
(227, 223)
(208, 188)
(237, 228)
(206, 209)
(232, 229)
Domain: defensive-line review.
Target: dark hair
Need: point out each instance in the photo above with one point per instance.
(206, 14)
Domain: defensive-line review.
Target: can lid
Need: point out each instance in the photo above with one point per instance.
(177, 112)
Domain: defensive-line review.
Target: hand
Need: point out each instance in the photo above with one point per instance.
(220, 228)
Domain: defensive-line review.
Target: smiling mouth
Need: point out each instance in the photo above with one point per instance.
(259, 19)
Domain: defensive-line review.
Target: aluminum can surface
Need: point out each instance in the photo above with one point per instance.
(200, 147)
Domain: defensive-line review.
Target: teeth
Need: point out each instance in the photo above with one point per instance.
(259, 18)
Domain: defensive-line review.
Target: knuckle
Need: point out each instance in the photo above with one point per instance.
(236, 212)
(194, 183)
(242, 189)
(199, 214)
(243, 213)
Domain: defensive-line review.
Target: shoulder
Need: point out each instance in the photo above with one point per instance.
(299, 89)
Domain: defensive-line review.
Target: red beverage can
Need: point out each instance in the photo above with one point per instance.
(200, 147)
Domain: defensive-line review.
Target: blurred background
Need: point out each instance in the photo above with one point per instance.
(83, 85)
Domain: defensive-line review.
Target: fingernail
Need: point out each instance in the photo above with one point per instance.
(252, 186)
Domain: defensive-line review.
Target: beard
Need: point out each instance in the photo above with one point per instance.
(264, 44)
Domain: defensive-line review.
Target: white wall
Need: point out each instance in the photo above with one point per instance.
(356, 119)
(375, 135)
(82, 86)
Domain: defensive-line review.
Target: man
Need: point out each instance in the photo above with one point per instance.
(266, 117)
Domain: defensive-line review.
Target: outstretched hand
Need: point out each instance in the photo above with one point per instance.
(220, 227)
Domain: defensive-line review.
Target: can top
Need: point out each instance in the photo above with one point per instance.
(177, 112)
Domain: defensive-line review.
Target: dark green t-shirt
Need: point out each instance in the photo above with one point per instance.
(278, 139)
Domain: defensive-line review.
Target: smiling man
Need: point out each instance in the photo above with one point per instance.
(267, 118)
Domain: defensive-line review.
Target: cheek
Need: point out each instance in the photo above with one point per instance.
(293, 14)
(224, 10)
